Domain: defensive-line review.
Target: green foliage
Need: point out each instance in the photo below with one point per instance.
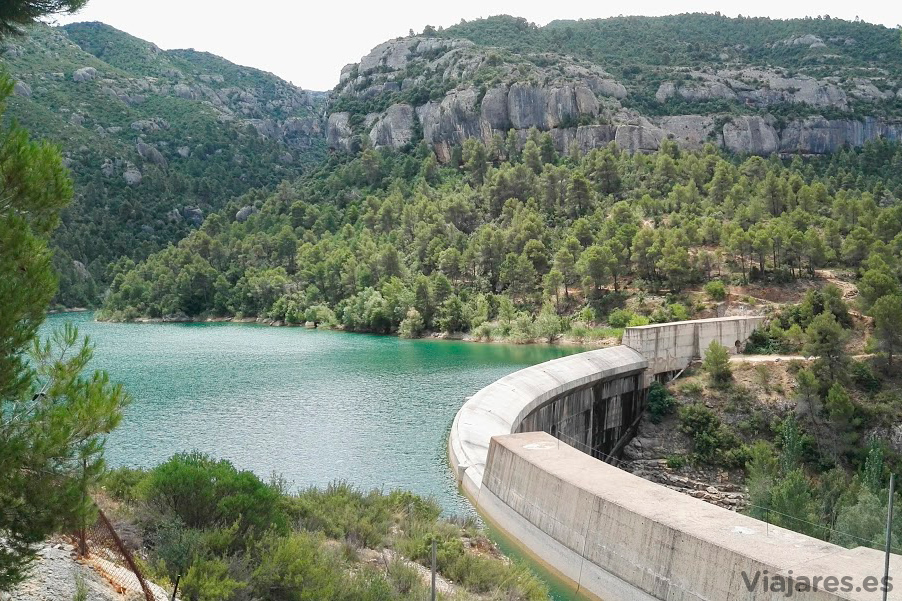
(717, 364)
(660, 402)
(172, 101)
(203, 493)
(53, 418)
(17, 13)
(887, 312)
(716, 290)
(713, 442)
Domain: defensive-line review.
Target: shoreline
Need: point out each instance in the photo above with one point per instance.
(266, 321)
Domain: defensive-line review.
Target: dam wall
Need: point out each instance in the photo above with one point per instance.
(530, 450)
(619, 537)
(670, 347)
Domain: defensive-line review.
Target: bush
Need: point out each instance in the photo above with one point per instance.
(203, 492)
(660, 402)
(717, 364)
(412, 325)
(621, 318)
(716, 290)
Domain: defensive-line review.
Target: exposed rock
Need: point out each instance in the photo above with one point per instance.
(108, 169)
(244, 213)
(183, 91)
(456, 118)
(184, 151)
(150, 154)
(194, 215)
(22, 89)
(338, 132)
(665, 91)
(638, 138)
(750, 135)
(816, 135)
(173, 216)
(395, 129)
(77, 119)
(81, 270)
(131, 175)
(527, 106)
(84, 74)
(808, 39)
(148, 125)
(691, 131)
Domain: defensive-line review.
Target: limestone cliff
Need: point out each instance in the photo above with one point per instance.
(443, 90)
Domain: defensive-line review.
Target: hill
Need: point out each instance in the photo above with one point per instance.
(752, 86)
(156, 140)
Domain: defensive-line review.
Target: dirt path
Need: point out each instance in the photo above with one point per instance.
(849, 290)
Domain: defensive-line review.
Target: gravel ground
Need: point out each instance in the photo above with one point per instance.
(54, 576)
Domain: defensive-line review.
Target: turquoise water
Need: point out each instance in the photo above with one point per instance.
(313, 405)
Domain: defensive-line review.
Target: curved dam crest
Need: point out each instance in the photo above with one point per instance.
(532, 452)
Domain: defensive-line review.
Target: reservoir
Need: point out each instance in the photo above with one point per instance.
(315, 406)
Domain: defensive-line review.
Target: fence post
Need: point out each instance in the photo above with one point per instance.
(433, 569)
(175, 589)
(889, 534)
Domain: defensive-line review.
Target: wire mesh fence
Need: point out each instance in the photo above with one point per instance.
(100, 546)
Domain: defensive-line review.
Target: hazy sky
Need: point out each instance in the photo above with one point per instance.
(309, 42)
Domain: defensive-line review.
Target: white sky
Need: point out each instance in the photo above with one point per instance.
(307, 43)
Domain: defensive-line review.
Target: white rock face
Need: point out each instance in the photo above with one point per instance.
(751, 135)
(395, 128)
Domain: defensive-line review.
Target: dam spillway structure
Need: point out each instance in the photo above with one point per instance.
(534, 451)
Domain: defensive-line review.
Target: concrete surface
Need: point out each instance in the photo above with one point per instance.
(673, 346)
(613, 535)
(623, 538)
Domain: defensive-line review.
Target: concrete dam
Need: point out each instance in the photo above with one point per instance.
(532, 451)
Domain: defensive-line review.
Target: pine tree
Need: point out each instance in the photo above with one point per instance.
(52, 419)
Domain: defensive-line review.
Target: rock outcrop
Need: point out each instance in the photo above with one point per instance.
(580, 105)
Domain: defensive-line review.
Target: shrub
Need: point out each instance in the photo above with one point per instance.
(204, 492)
(660, 402)
(621, 318)
(716, 290)
(412, 325)
(717, 364)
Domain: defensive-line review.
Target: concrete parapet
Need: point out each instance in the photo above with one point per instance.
(615, 535)
(501, 407)
(673, 346)
(622, 538)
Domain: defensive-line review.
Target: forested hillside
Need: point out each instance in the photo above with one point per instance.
(390, 241)
(155, 140)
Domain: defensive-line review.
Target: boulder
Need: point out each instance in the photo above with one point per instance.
(395, 128)
(131, 175)
(665, 92)
(244, 213)
(108, 169)
(81, 270)
(194, 215)
(150, 154)
(22, 89)
(750, 135)
(184, 151)
(84, 74)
